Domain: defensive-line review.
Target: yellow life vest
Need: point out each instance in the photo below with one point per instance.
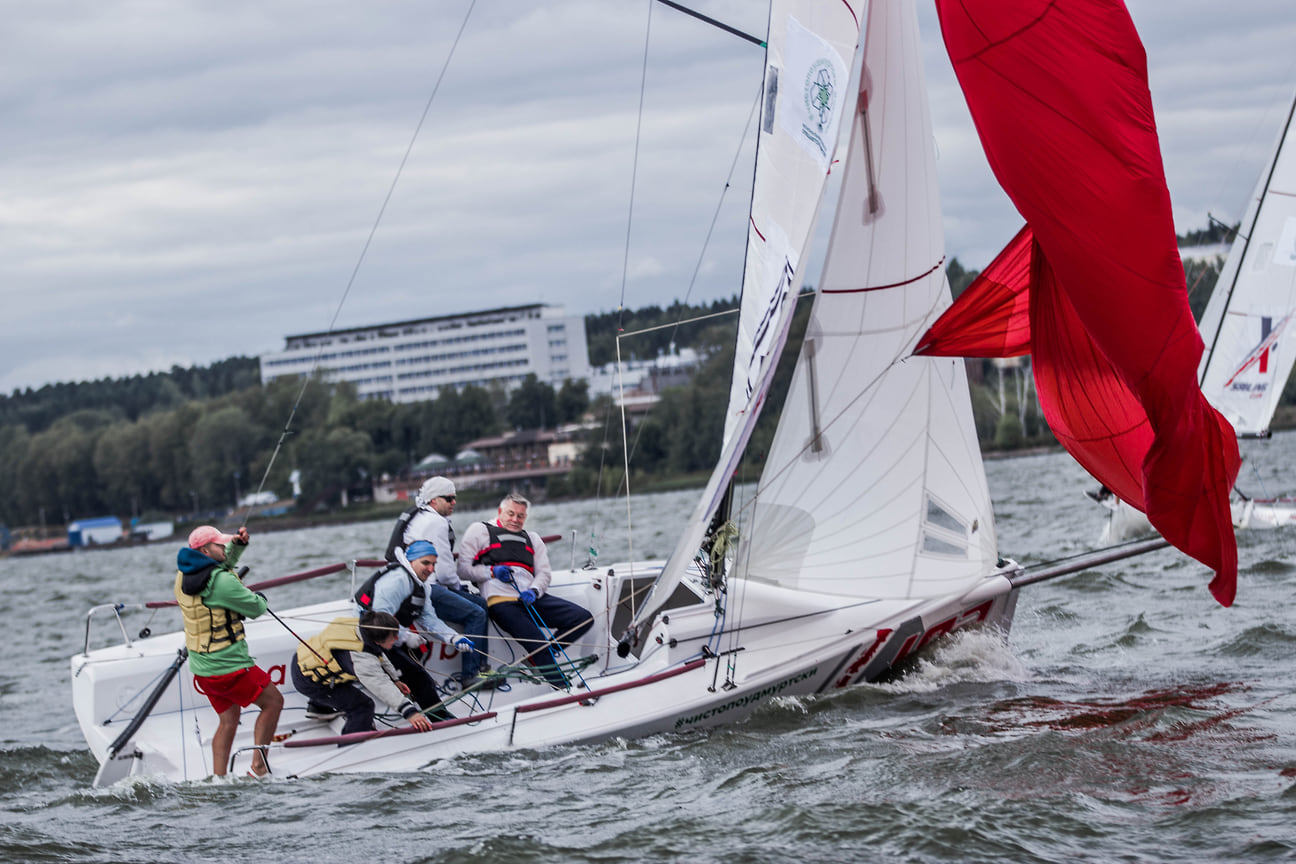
(207, 628)
(339, 635)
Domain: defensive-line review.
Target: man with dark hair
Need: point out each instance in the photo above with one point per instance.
(344, 667)
(510, 567)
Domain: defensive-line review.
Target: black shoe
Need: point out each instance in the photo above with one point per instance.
(486, 682)
(315, 711)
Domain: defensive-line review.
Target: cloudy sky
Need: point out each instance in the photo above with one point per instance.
(181, 182)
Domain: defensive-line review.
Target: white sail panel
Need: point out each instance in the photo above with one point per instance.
(1247, 326)
(874, 484)
(806, 83)
(787, 191)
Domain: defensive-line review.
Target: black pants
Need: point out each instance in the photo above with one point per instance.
(564, 619)
(347, 698)
(422, 688)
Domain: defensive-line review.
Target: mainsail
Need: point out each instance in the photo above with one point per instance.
(806, 87)
(1060, 99)
(874, 484)
(810, 45)
(1248, 327)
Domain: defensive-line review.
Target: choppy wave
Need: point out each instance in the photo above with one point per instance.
(1127, 717)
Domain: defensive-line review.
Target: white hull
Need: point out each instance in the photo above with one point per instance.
(1126, 523)
(821, 642)
(1263, 512)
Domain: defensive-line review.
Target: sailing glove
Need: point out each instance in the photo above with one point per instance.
(463, 643)
(528, 596)
(503, 572)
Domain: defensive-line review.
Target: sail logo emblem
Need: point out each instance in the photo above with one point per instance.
(820, 90)
(820, 105)
(1258, 358)
(813, 110)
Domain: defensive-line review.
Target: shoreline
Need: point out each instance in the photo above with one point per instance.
(377, 512)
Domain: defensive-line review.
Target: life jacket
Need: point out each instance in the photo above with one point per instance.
(397, 539)
(410, 608)
(206, 628)
(507, 547)
(340, 635)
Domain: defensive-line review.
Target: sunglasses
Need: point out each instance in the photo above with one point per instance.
(446, 497)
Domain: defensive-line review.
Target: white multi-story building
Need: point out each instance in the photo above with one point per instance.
(408, 361)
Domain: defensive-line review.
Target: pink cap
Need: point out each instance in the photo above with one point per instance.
(204, 534)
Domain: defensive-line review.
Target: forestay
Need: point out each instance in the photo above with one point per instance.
(1248, 327)
(874, 484)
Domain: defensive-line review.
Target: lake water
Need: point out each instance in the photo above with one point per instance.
(1126, 718)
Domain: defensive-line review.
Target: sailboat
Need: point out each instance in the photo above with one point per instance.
(869, 536)
(1248, 328)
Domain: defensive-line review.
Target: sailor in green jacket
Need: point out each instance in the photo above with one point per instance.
(214, 602)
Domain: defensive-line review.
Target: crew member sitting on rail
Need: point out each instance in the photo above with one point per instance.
(343, 667)
(510, 567)
(429, 519)
(402, 590)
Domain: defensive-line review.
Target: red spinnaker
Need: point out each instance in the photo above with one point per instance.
(1059, 94)
(991, 318)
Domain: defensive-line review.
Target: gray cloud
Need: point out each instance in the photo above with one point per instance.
(186, 181)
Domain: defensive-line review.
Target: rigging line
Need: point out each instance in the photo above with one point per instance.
(364, 249)
(681, 322)
(625, 458)
(625, 270)
(634, 164)
(696, 270)
(714, 23)
(741, 592)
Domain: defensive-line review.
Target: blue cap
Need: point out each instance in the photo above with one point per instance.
(420, 549)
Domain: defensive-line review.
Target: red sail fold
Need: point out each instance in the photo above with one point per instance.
(1059, 96)
(991, 318)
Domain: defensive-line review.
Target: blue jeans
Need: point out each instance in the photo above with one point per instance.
(469, 612)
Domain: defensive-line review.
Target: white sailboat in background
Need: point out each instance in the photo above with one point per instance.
(1248, 323)
(870, 534)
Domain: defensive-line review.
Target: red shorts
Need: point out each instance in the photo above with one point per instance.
(235, 688)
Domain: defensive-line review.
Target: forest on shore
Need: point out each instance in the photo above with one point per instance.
(191, 441)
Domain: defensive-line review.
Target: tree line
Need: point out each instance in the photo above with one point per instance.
(201, 455)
